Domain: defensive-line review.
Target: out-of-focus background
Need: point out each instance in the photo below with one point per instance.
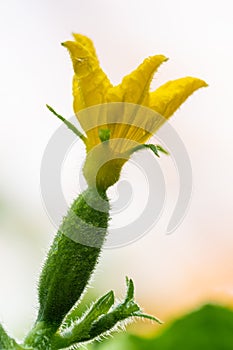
(173, 273)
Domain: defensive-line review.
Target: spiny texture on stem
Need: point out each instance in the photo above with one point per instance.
(6, 342)
(73, 256)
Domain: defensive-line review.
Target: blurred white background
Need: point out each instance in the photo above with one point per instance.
(172, 273)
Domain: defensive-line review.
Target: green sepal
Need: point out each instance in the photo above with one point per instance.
(68, 124)
(154, 148)
(148, 317)
(100, 307)
(130, 289)
(161, 149)
(123, 311)
(75, 329)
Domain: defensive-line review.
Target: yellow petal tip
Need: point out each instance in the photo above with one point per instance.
(162, 58)
(169, 97)
(200, 81)
(205, 84)
(165, 59)
(77, 36)
(67, 44)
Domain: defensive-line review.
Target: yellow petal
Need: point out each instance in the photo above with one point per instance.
(85, 42)
(90, 83)
(134, 88)
(83, 61)
(168, 97)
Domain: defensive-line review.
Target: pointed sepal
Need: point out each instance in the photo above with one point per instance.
(123, 312)
(75, 329)
(68, 124)
(154, 148)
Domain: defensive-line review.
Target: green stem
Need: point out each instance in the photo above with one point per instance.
(7, 343)
(71, 260)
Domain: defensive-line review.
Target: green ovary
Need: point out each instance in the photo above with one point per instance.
(71, 259)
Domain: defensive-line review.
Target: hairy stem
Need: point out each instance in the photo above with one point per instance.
(71, 260)
(7, 343)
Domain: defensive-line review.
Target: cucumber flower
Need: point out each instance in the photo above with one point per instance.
(125, 116)
(117, 121)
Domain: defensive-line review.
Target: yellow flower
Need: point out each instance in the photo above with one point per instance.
(91, 87)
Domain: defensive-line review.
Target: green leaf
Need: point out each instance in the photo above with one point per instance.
(77, 329)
